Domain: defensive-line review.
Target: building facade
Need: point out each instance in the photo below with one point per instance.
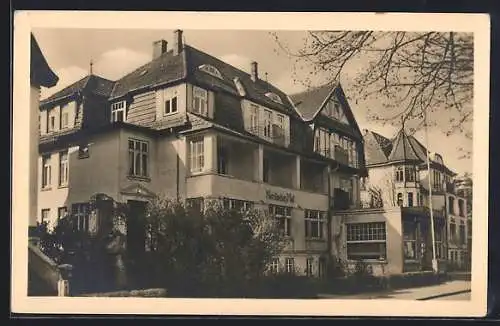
(398, 177)
(191, 127)
(41, 75)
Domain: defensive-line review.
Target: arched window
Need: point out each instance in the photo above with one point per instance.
(274, 97)
(209, 69)
(400, 199)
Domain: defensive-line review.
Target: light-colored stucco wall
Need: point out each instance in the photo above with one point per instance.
(98, 173)
(394, 243)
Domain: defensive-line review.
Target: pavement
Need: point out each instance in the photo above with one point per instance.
(458, 289)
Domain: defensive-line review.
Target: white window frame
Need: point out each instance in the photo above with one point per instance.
(274, 266)
(211, 70)
(274, 97)
(46, 171)
(232, 203)
(200, 101)
(290, 265)
(197, 155)
(170, 96)
(45, 215)
(314, 220)
(376, 232)
(285, 218)
(63, 168)
(64, 118)
(116, 108)
(62, 209)
(268, 122)
(81, 214)
(254, 118)
(138, 159)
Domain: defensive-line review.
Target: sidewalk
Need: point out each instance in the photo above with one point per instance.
(419, 293)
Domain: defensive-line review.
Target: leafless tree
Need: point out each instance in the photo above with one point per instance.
(413, 73)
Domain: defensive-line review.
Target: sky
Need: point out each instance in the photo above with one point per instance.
(115, 53)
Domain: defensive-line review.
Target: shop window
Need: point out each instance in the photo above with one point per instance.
(366, 241)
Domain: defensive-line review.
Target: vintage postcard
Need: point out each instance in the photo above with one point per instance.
(299, 164)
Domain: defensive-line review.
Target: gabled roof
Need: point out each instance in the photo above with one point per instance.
(40, 72)
(311, 102)
(92, 83)
(377, 148)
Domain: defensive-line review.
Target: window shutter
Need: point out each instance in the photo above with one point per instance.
(189, 104)
(211, 104)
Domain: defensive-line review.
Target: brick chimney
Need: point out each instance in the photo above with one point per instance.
(159, 47)
(254, 72)
(178, 42)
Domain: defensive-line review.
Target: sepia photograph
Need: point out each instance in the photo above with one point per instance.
(304, 168)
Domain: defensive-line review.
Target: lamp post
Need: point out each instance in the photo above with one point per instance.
(434, 259)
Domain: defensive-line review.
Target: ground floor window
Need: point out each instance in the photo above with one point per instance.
(314, 224)
(366, 241)
(309, 266)
(274, 266)
(236, 204)
(196, 204)
(81, 215)
(290, 265)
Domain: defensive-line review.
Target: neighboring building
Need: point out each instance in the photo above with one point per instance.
(398, 181)
(463, 186)
(41, 75)
(190, 126)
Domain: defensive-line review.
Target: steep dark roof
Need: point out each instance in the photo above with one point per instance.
(40, 72)
(254, 91)
(171, 68)
(374, 145)
(164, 69)
(403, 149)
(382, 150)
(310, 101)
(92, 83)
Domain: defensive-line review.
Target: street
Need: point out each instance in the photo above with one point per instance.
(455, 288)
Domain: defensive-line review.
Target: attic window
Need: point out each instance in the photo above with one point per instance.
(211, 70)
(239, 86)
(274, 97)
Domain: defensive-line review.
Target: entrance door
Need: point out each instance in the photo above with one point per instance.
(136, 230)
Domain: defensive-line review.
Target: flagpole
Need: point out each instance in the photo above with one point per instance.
(434, 260)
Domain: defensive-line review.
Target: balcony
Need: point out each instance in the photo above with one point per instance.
(276, 134)
(340, 155)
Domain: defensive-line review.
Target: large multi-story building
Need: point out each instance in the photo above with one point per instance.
(192, 127)
(398, 177)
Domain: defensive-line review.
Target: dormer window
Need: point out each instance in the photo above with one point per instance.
(118, 111)
(274, 97)
(200, 100)
(239, 86)
(211, 70)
